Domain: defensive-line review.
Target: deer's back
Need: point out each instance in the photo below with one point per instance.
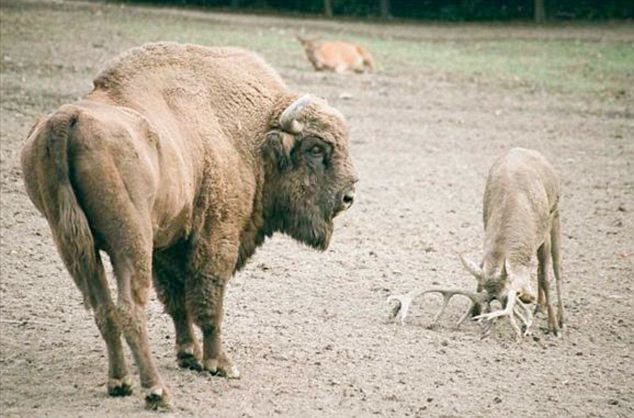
(520, 198)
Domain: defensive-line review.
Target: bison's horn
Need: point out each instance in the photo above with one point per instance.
(289, 117)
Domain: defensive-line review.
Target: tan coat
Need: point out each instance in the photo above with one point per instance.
(337, 56)
(178, 164)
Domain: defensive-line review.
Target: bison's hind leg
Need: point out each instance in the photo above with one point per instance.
(123, 225)
(119, 383)
(132, 266)
(169, 280)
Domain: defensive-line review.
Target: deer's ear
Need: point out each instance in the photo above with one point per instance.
(472, 268)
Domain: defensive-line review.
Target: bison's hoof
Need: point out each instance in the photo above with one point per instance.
(188, 361)
(120, 387)
(222, 367)
(157, 398)
(188, 357)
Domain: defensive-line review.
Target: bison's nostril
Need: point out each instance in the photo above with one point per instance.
(348, 198)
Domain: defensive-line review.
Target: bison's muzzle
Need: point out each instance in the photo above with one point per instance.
(345, 201)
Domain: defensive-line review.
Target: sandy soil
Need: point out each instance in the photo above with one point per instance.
(308, 330)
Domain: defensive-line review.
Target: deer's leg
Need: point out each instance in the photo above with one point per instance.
(169, 279)
(119, 383)
(555, 238)
(544, 261)
(540, 305)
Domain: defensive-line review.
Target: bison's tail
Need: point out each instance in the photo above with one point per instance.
(67, 220)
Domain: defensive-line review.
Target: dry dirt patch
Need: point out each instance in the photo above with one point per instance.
(309, 330)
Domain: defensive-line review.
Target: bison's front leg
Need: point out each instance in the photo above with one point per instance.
(205, 294)
(212, 263)
(170, 278)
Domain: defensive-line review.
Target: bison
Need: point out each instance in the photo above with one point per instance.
(337, 56)
(178, 164)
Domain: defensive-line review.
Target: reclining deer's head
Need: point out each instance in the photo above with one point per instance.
(310, 177)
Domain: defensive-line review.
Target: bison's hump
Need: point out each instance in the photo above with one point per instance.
(152, 59)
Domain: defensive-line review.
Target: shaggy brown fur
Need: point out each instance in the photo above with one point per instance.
(337, 56)
(178, 166)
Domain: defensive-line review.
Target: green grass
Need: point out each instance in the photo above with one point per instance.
(589, 65)
(570, 66)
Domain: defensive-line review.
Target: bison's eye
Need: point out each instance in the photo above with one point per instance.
(316, 151)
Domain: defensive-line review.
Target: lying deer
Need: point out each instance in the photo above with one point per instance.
(337, 56)
(521, 219)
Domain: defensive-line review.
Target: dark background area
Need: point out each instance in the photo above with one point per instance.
(446, 10)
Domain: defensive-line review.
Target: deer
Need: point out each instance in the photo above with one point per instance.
(521, 221)
(337, 56)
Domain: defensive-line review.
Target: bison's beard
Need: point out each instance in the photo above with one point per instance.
(315, 233)
(308, 223)
(302, 214)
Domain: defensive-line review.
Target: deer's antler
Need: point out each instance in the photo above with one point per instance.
(513, 307)
(404, 301)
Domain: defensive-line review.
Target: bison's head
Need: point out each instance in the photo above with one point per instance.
(310, 178)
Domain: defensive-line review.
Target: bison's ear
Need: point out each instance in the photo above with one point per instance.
(278, 146)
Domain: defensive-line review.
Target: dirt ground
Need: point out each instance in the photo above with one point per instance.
(310, 331)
